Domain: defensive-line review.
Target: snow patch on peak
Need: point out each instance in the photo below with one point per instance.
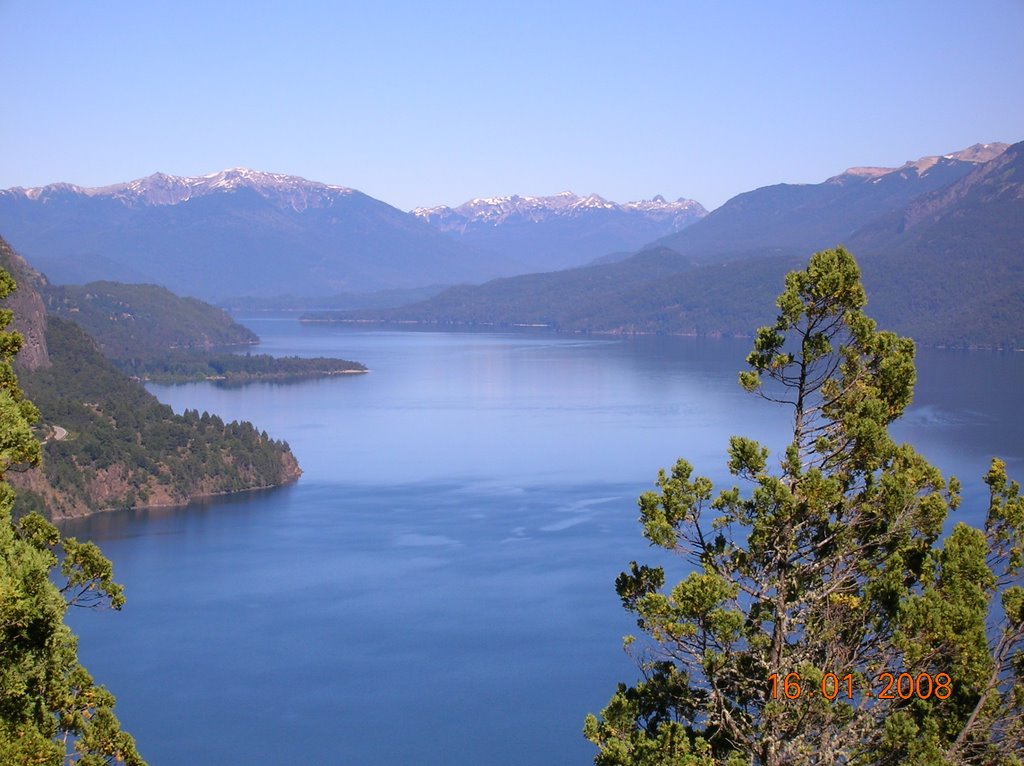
(45, 192)
(977, 153)
(495, 211)
(163, 189)
(595, 201)
(285, 190)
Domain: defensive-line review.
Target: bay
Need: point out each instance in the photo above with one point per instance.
(437, 588)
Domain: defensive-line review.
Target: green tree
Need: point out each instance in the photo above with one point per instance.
(829, 563)
(51, 712)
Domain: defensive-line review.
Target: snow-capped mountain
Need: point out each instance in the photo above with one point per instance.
(562, 230)
(493, 211)
(162, 189)
(938, 241)
(236, 232)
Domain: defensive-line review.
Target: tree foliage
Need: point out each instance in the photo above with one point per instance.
(125, 448)
(51, 711)
(825, 576)
(234, 369)
(150, 333)
(144, 321)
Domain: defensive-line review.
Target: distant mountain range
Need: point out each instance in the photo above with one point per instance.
(161, 189)
(243, 232)
(940, 241)
(237, 232)
(563, 230)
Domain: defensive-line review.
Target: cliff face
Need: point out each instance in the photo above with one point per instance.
(28, 308)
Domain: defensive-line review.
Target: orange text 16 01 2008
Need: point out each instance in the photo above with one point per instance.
(886, 686)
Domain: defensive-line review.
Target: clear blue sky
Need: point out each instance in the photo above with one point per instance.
(424, 103)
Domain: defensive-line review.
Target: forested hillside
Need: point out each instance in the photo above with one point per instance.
(949, 268)
(144, 320)
(108, 443)
(121, 448)
(150, 333)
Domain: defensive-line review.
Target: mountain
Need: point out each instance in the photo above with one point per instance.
(150, 333)
(656, 290)
(560, 231)
(946, 266)
(949, 267)
(797, 219)
(569, 299)
(108, 443)
(237, 232)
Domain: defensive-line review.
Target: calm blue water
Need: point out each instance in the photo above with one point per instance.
(438, 587)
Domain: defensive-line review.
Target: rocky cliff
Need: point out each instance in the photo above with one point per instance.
(28, 308)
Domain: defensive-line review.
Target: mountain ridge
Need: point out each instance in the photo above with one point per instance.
(235, 232)
(496, 210)
(945, 266)
(164, 189)
(562, 230)
(797, 219)
(976, 153)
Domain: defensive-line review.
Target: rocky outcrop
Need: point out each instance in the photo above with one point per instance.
(28, 308)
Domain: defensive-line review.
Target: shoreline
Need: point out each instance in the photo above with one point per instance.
(278, 377)
(498, 326)
(169, 506)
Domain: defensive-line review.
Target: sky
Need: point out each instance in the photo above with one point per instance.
(427, 103)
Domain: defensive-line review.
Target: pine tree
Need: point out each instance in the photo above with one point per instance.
(823, 621)
(51, 711)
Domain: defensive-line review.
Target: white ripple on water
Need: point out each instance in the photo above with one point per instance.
(417, 540)
(930, 415)
(582, 511)
(518, 536)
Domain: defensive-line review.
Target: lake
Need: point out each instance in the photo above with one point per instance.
(438, 587)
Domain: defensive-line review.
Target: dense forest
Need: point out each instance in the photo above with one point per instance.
(656, 291)
(234, 368)
(120, 447)
(144, 320)
(150, 333)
